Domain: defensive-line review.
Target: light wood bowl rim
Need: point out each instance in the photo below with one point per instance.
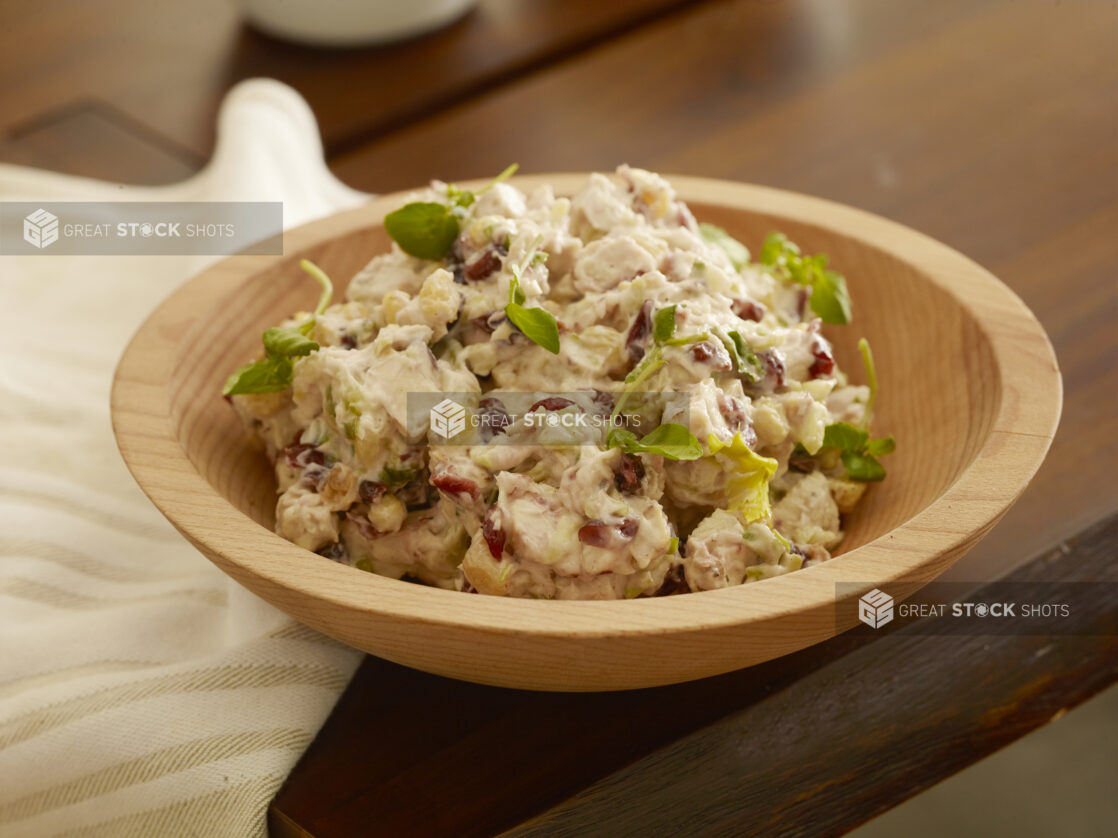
(912, 553)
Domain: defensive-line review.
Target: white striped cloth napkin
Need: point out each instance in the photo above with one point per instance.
(142, 692)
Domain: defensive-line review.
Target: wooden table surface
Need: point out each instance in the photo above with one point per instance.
(991, 125)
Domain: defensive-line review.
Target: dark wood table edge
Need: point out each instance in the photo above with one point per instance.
(842, 731)
(848, 792)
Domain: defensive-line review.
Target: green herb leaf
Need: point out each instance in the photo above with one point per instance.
(396, 477)
(673, 545)
(663, 324)
(322, 279)
(537, 324)
(464, 198)
(749, 364)
(741, 353)
(859, 453)
(425, 230)
(288, 341)
(675, 442)
(871, 379)
(516, 294)
(881, 447)
(735, 250)
(777, 250)
(648, 365)
(268, 375)
(862, 467)
(830, 299)
(846, 436)
(671, 441)
(459, 197)
(273, 372)
(687, 340)
(731, 347)
(509, 171)
(622, 438)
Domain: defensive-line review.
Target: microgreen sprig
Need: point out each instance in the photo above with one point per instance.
(735, 251)
(428, 229)
(274, 371)
(829, 298)
(859, 453)
(670, 440)
(537, 324)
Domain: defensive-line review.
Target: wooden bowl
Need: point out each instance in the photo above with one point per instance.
(969, 387)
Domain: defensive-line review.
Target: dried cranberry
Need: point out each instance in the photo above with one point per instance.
(675, 582)
(630, 473)
(455, 262)
(301, 456)
(639, 331)
(454, 484)
(483, 265)
(604, 402)
(628, 528)
(551, 403)
(802, 296)
(824, 362)
(492, 533)
(335, 551)
(314, 476)
(748, 310)
(484, 323)
(773, 362)
(494, 418)
(595, 533)
(363, 525)
(800, 460)
(707, 352)
(417, 492)
(732, 410)
(370, 491)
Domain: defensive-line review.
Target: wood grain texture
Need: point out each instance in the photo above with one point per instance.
(974, 398)
(987, 124)
(90, 140)
(167, 65)
(811, 744)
